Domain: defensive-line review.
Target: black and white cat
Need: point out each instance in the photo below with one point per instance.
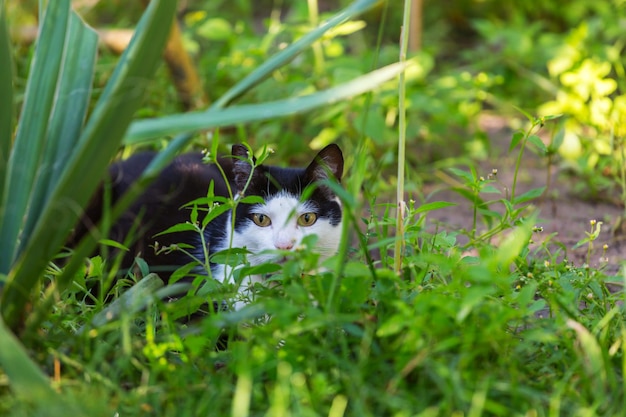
(281, 221)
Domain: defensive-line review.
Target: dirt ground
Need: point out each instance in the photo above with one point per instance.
(563, 212)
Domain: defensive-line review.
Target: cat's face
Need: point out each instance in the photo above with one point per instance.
(286, 218)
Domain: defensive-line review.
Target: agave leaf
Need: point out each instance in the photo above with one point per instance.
(31, 131)
(90, 157)
(144, 130)
(6, 95)
(72, 101)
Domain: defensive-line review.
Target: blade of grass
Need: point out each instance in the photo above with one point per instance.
(290, 52)
(6, 95)
(88, 244)
(404, 42)
(31, 130)
(144, 130)
(25, 378)
(97, 144)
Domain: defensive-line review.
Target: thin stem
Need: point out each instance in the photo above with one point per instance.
(404, 41)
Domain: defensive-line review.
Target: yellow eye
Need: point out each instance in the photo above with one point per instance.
(261, 220)
(307, 219)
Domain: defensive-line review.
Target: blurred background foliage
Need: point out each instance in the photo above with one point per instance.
(477, 57)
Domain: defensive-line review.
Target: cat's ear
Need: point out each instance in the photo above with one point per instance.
(242, 167)
(328, 163)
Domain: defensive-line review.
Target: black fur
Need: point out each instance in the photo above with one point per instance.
(186, 179)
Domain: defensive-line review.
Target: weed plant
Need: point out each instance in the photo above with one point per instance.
(499, 325)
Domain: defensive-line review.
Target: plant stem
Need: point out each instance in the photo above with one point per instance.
(404, 41)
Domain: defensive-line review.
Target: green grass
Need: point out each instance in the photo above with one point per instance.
(446, 324)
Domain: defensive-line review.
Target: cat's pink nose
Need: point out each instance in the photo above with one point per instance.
(286, 245)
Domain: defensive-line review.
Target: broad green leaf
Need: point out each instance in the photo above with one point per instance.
(97, 144)
(145, 130)
(6, 96)
(31, 131)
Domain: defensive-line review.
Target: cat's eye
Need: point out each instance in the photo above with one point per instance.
(261, 220)
(307, 219)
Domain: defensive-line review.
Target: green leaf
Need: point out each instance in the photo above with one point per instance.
(145, 130)
(138, 297)
(557, 141)
(592, 357)
(435, 205)
(262, 269)
(515, 140)
(6, 95)
(31, 131)
(180, 227)
(68, 115)
(113, 244)
(530, 118)
(538, 143)
(513, 244)
(97, 144)
(26, 379)
(464, 175)
(529, 195)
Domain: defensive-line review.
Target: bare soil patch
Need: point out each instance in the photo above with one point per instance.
(562, 211)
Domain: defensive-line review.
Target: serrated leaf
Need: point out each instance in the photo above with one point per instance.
(435, 205)
(538, 143)
(469, 195)
(468, 177)
(529, 195)
(490, 189)
(232, 256)
(251, 199)
(515, 140)
(557, 140)
(214, 214)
